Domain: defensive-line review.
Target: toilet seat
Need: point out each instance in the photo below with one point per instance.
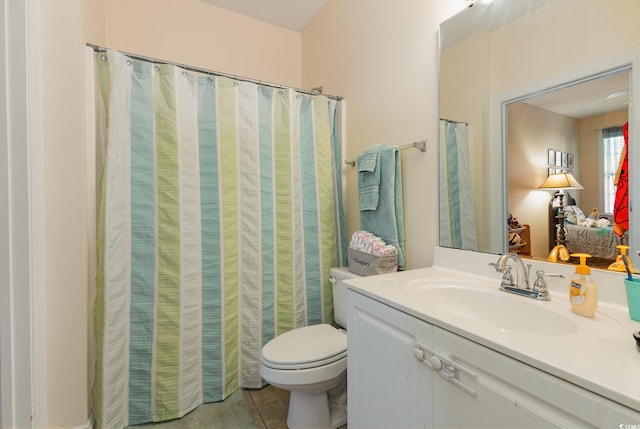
(307, 347)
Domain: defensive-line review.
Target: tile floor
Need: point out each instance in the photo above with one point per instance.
(264, 408)
(268, 406)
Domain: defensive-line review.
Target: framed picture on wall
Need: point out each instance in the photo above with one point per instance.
(570, 161)
(551, 157)
(564, 159)
(558, 159)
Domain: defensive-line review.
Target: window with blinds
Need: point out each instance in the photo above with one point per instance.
(612, 144)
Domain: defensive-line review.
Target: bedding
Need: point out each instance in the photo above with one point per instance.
(596, 241)
(586, 235)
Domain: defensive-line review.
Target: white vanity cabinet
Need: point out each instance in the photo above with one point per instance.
(407, 373)
(387, 386)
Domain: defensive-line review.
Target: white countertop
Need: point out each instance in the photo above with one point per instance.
(600, 356)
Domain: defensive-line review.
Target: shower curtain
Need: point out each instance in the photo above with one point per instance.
(220, 216)
(457, 214)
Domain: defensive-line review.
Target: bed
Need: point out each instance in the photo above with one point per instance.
(598, 240)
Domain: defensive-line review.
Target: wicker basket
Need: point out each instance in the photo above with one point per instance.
(365, 264)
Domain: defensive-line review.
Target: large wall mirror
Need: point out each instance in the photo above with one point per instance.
(530, 91)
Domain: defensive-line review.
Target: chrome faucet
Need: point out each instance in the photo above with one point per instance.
(521, 285)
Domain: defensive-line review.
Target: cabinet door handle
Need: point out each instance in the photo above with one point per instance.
(445, 367)
(449, 373)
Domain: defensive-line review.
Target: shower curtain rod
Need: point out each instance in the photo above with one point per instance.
(453, 122)
(422, 145)
(313, 91)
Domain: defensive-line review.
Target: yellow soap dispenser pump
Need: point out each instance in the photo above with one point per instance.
(618, 265)
(583, 293)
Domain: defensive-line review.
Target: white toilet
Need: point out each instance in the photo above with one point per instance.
(311, 363)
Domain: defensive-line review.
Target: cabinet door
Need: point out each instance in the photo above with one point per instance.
(511, 394)
(388, 387)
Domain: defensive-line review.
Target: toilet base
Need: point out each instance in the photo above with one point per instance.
(309, 411)
(322, 410)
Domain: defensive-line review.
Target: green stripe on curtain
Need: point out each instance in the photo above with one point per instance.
(212, 370)
(229, 196)
(98, 308)
(143, 245)
(168, 304)
(327, 221)
(283, 213)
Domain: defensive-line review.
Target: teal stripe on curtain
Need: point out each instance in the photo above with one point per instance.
(454, 186)
(335, 119)
(212, 362)
(265, 119)
(312, 245)
(143, 245)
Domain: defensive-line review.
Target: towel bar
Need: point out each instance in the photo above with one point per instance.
(422, 145)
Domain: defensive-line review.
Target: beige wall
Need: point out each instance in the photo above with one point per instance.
(382, 57)
(196, 33)
(66, 26)
(521, 51)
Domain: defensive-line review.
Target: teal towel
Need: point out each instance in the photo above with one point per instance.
(387, 221)
(369, 178)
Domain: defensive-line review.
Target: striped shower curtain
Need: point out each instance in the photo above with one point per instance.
(457, 215)
(220, 216)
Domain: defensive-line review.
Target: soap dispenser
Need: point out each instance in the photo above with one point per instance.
(618, 265)
(583, 294)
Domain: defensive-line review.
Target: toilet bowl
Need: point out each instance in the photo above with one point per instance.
(311, 362)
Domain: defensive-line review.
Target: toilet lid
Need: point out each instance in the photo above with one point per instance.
(306, 347)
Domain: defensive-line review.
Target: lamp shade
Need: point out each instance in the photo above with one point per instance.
(560, 181)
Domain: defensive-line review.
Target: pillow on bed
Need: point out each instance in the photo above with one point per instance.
(572, 213)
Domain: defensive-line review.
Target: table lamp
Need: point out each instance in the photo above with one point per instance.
(560, 182)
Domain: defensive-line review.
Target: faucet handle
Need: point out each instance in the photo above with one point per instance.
(540, 284)
(507, 277)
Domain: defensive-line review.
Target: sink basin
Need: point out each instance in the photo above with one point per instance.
(503, 310)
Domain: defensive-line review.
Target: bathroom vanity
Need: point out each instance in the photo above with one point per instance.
(438, 348)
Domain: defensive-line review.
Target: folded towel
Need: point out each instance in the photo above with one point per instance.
(369, 178)
(387, 220)
(366, 242)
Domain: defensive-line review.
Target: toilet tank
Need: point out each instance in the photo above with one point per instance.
(338, 276)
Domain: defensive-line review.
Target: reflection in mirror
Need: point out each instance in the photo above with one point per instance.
(538, 87)
(575, 130)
